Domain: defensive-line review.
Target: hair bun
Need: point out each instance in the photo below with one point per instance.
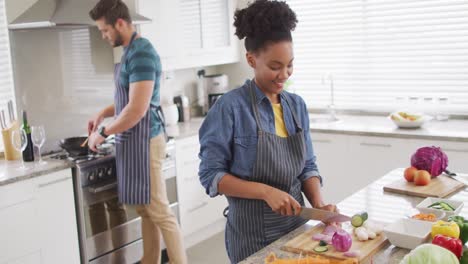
(263, 17)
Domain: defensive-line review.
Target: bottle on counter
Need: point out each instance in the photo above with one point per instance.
(28, 153)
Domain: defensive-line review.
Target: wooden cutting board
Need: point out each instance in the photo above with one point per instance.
(441, 187)
(304, 244)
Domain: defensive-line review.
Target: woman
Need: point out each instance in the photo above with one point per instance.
(255, 142)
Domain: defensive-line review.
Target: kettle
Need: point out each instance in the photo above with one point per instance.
(182, 103)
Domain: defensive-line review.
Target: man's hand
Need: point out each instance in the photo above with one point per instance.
(282, 203)
(95, 139)
(94, 122)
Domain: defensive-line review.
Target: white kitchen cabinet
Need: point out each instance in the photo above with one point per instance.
(331, 151)
(197, 209)
(56, 219)
(191, 33)
(38, 220)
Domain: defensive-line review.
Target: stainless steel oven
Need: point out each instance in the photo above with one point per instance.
(110, 232)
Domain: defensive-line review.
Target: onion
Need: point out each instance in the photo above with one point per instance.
(342, 241)
(330, 230)
(318, 236)
(352, 254)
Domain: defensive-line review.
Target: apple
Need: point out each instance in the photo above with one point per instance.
(409, 173)
(422, 177)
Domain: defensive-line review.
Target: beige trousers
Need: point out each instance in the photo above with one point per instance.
(157, 217)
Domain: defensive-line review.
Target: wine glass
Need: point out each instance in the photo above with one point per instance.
(20, 142)
(38, 138)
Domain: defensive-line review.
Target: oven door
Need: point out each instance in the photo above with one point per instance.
(113, 228)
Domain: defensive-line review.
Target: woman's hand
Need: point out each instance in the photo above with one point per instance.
(281, 202)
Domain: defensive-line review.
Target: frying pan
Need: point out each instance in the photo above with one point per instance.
(73, 146)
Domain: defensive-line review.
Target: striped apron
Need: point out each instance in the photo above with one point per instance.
(252, 224)
(131, 148)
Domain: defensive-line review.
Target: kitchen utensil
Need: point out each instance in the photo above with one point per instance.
(4, 124)
(73, 146)
(303, 243)
(84, 143)
(322, 215)
(11, 112)
(10, 152)
(440, 186)
(1, 123)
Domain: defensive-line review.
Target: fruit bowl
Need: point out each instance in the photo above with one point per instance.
(408, 119)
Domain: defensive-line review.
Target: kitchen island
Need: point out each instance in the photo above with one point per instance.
(381, 206)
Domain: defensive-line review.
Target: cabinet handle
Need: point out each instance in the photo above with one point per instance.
(198, 207)
(321, 140)
(376, 145)
(455, 150)
(53, 182)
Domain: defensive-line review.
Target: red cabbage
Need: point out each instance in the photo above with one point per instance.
(431, 159)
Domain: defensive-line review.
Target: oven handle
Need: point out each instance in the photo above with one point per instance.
(102, 188)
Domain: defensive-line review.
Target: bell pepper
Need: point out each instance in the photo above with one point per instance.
(463, 225)
(449, 229)
(464, 258)
(453, 244)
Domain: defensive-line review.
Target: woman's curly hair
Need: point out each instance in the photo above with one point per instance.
(264, 22)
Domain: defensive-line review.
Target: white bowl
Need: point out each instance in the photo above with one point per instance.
(402, 122)
(439, 215)
(423, 206)
(408, 233)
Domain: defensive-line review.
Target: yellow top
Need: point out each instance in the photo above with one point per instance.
(280, 127)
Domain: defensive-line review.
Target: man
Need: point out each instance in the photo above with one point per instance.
(140, 141)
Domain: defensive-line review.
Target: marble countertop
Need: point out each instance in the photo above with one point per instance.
(381, 206)
(10, 171)
(451, 130)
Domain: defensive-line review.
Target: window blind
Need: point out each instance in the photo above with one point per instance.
(382, 54)
(6, 75)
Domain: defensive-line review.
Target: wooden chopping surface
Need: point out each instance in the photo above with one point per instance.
(441, 187)
(304, 244)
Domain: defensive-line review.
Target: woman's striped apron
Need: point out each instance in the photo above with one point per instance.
(251, 224)
(132, 147)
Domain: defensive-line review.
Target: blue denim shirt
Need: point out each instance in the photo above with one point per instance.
(228, 135)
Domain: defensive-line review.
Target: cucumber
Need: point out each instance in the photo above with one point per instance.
(358, 219)
(323, 243)
(320, 249)
(446, 206)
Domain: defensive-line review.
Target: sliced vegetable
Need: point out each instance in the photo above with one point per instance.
(453, 244)
(358, 220)
(429, 253)
(425, 217)
(320, 249)
(450, 229)
(352, 254)
(323, 243)
(342, 240)
(441, 206)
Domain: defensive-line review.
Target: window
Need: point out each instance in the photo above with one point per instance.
(382, 53)
(6, 76)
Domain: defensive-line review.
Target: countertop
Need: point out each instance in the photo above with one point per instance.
(11, 173)
(381, 206)
(451, 130)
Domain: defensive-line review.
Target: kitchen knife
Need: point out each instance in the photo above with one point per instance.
(322, 215)
(10, 111)
(1, 123)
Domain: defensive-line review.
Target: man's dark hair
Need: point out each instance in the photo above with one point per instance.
(111, 10)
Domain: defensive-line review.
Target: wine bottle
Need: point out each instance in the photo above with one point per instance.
(28, 153)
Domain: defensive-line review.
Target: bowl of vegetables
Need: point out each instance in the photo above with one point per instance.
(408, 233)
(408, 120)
(433, 205)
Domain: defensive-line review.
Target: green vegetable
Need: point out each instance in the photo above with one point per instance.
(322, 243)
(320, 249)
(442, 206)
(463, 224)
(464, 258)
(358, 219)
(430, 254)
